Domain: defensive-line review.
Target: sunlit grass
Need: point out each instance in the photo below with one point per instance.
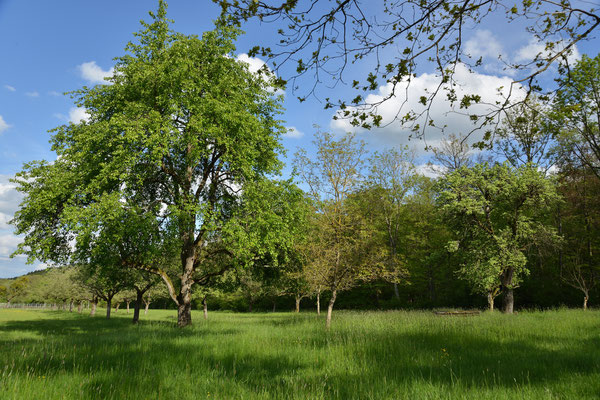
(538, 355)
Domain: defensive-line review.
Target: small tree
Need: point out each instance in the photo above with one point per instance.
(495, 212)
(340, 252)
(392, 177)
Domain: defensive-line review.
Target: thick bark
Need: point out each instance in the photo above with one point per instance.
(509, 301)
(205, 307)
(330, 309)
(184, 314)
(250, 305)
(319, 303)
(127, 301)
(490, 299)
(117, 306)
(585, 301)
(298, 298)
(80, 307)
(184, 299)
(137, 305)
(108, 307)
(71, 306)
(146, 306)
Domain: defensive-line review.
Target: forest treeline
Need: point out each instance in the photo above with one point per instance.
(166, 195)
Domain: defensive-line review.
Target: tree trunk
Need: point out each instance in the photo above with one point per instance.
(490, 298)
(318, 303)
(71, 306)
(80, 307)
(585, 301)
(184, 306)
(127, 301)
(298, 298)
(274, 305)
(137, 305)
(250, 305)
(146, 307)
(108, 307)
(205, 308)
(117, 306)
(396, 291)
(509, 301)
(330, 309)
(94, 305)
(184, 314)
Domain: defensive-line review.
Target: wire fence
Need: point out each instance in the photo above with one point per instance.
(47, 306)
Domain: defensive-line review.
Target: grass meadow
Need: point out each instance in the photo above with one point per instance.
(366, 355)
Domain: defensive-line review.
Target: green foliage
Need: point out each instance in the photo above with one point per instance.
(576, 114)
(495, 213)
(340, 252)
(174, 156)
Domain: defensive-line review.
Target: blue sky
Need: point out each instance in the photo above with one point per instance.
(48, 48)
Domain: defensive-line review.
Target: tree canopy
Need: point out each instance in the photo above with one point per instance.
(180, 143)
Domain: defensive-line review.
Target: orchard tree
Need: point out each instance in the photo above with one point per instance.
(342, 254)
(393, 41)
(391, 178)
(496, 213)
(190, 130)
(104, 282)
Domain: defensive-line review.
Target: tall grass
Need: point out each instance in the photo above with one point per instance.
(379, 355)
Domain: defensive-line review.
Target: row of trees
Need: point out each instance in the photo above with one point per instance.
(171, 179)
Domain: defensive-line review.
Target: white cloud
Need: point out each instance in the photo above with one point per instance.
(32, 94)
(430, 170)
(9, 197)
(254, 63)
(42, 266)
(4, 218)
(8, 244)
(534, 48)
(54, 93)
(293, 133)
(3, 125)
(483, 44)
(77, 114)
(93, 73)
(10, 88)
(393, 133)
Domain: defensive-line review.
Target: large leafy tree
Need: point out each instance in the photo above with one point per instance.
(183, 135)
(495, 212)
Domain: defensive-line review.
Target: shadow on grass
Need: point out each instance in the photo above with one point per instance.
(113, 358)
